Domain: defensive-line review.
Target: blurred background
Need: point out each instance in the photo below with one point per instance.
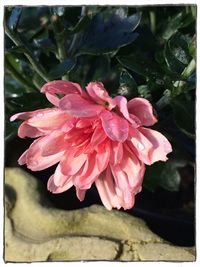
(142, 51)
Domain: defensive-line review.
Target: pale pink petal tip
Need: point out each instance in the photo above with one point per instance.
(142, 109)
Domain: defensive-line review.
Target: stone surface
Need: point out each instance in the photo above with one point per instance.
(37, 231)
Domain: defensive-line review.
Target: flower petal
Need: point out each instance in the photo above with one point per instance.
(59, 178)
(76, 105)
(99, 94)
(106, 188)
(80, 194)
(26, 130)
(132, 167)
(116, 154)
(114, 126)
(34, 159)
(70, 164)
(52, 187)
(139, 145)
(54, 144)
(28, 114)
(161, 146)
(120, 177)
(98, 137)
(91, 172)
(22, 159)
(142, 109)
(103, 156)
(49, 119)
(122, 105)
(60, 87)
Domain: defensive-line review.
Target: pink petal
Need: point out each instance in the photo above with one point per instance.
(139, 145)
(76, 105)
(128, 199)
(22, 159)
(34, 159)
(68, 125)
(103, 156)
(29, 114)
(142, 109)
(98, 137)
(60, 87)
(58, 189)
(84, 181)
(80, 194)
(161, 146)
(122, 105)
(59, 178)
(106, 188)
(114, 126)
(121, 102)
(70, 164)
(83, 123)
(43, 119)
(54, 144)
(48, 119)
(99, 94)
(132, 167)
(26, 130)
(120, 177)
(116, 154)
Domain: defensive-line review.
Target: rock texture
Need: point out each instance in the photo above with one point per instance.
(36, 231)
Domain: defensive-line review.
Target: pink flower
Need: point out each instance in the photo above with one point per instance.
(94, 139)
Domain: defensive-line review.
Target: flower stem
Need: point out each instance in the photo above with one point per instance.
(18, 76)
(164, 100)
(152, 16)
(75, 37)
(189, 69)
(60, 37)
(17, 40)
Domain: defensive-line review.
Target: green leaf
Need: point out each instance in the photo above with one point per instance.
(16, 49)
(144, 91)
(176, 22)
(11, 129)
(14, 17)
(179, 48)
(62, 68)
(99, 69)
(183, 112)
(172, 26)
(26, 102)
(93, 10)
(14, 61)
(128, 86)
(194, 11)
(173, 64)
(13, 88)
(45, 44)
(164, 174)
(176, 53)
(170, 176)
(32, 18)
(103, 36)
(58, 10)
(81, 24)
(141, 64)
(192, 47)
(152, 176)
(38, 81)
